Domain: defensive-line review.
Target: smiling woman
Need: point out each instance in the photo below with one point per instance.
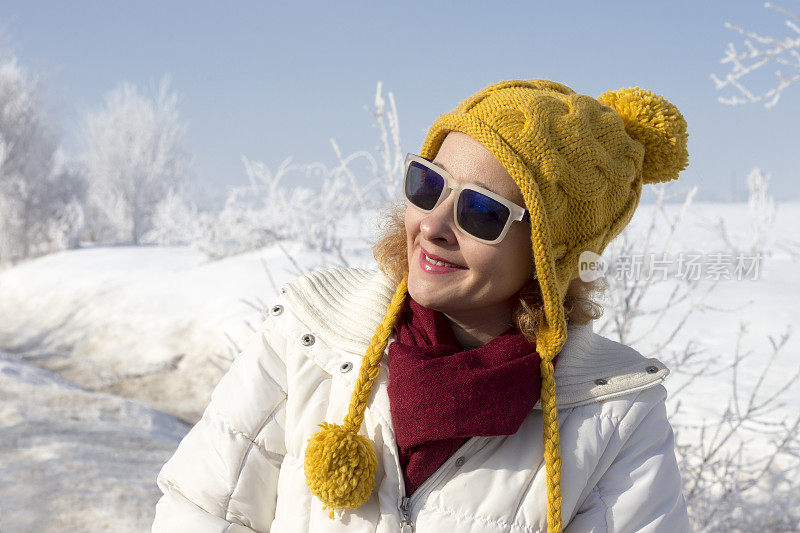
(509, 263)
(492, 403)
(501, 276)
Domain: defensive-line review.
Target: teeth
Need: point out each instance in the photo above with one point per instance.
(440, 263)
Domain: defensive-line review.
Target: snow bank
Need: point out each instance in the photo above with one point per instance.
(75, 460)
(142, 322)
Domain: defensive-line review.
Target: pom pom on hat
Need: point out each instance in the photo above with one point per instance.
(340, 467)
(656, 123)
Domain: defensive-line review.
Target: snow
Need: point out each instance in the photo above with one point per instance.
(76, 460)
(767, 305)
(138, 321)
(111, 354)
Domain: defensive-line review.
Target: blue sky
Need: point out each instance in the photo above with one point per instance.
(274, 79)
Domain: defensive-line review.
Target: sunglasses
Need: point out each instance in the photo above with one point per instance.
(478, 212)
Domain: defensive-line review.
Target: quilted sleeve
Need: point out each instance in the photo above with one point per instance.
(223, 476)
(641, 490)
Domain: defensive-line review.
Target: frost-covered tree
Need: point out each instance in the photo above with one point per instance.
(762, 50)
(175, 221)
(134, 157)
(40, 195)
(761, 210)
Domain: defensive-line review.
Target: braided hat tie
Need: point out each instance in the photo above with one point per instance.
(340, 464)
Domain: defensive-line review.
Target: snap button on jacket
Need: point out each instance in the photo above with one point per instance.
(240, 468)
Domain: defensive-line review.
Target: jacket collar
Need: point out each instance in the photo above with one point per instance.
(344, 306)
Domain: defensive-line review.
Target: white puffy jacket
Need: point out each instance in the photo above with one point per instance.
(240, 468)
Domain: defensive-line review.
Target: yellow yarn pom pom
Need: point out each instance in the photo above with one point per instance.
(340, 467)
(658, 125)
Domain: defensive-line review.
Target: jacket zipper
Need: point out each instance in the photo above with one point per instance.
(407, 504)
(406, 525)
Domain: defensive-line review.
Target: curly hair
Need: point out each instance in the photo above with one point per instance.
(391, 252)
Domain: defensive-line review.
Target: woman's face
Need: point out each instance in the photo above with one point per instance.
(493, 273)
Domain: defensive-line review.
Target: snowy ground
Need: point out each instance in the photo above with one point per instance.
(110, 356)
(146, 322)
(767, 305)
(76, 460)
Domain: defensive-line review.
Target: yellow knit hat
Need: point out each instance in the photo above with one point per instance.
(580, 163)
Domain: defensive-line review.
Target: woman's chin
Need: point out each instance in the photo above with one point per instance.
(428, 296)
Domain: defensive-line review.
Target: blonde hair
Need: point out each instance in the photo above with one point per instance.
(391, 252)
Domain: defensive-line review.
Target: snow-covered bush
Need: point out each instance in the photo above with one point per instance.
(741, 466)
(134, 157)
(761, 210)
(175, 221)
(741, 470)
(268, 211)
(41, 196)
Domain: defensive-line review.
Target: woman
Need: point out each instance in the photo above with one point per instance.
(474, 393)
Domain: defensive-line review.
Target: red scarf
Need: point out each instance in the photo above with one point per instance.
(441, 394)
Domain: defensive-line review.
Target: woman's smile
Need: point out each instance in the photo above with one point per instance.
(433, 266)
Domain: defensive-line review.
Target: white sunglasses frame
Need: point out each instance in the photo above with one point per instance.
(516, 212)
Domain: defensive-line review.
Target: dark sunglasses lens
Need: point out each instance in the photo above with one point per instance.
(480, 215)
(423, 186)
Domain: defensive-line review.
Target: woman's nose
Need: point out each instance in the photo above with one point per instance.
(439, 222)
